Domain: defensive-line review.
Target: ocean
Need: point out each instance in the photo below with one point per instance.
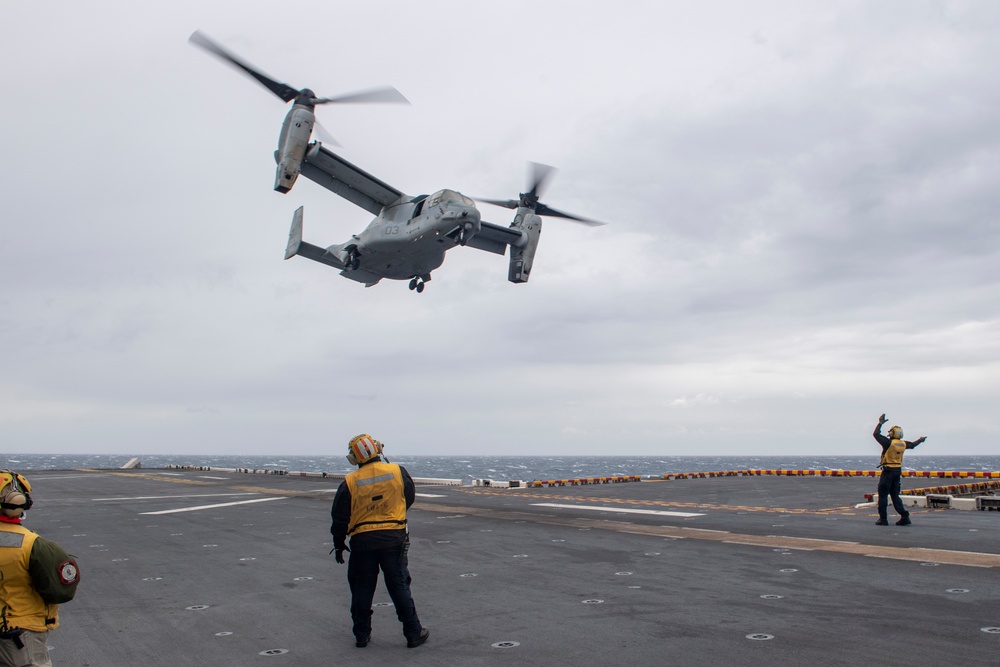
(525, 468)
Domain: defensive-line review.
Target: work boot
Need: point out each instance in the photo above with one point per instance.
(881, 522)
(414, 643)
(362, 642)
(905, 521)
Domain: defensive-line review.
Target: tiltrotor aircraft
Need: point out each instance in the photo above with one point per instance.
(410, 235)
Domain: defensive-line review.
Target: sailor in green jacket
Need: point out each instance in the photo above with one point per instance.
(891, 463)
(36, 576)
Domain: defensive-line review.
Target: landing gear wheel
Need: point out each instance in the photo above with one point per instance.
(353, 261)
(420, 287)
(413, 284)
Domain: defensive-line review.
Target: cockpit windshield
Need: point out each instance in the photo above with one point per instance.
(444, 196)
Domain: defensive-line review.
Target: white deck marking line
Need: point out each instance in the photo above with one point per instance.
(210, 477)
(197, 495)
(208, 507)
(431, 495)
(40, 474)
(625, 510)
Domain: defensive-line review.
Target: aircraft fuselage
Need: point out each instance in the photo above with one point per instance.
(409, 239)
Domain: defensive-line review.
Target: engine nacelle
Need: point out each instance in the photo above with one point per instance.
(292, 144)
(522, 256)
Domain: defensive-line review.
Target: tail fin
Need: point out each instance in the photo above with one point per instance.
(294, 235)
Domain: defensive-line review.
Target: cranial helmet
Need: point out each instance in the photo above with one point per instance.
(363, 448)
(15, 493)
(896, 433)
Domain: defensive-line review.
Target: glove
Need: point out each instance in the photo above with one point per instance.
(339, 556)
(882, 419)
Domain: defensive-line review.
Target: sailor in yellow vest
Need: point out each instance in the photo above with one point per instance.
(370, 507)
(36, 576)
(892, 471)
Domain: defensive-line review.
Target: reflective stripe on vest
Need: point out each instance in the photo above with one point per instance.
(374, 480)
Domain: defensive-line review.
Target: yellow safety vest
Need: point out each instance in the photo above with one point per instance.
(892, 457)
(377, 500)
(22, 606)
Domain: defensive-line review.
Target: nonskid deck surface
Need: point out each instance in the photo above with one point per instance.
(210, 568)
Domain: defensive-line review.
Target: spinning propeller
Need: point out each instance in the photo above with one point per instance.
(540, 173)
(287, 93)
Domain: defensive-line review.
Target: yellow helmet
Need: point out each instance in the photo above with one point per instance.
(363, 448)
(15, 493)
(896, 433)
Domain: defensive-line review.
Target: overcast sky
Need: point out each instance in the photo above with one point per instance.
(803, 202)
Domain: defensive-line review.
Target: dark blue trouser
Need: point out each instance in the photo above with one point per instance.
(889, 485)
(362, 575)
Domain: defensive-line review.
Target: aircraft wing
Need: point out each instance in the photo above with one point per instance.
(494, 238)
(352, 183)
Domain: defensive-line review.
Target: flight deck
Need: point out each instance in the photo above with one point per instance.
(205, 567)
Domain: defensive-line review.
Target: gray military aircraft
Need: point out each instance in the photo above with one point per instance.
(410, 234)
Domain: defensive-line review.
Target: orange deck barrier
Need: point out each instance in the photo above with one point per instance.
(616, 479)
(948, 474)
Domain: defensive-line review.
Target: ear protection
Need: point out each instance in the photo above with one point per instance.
(15, 493)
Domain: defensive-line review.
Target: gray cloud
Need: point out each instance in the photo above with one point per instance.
(804, 230)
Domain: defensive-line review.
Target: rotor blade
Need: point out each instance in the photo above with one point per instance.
(386, 94)
(540, 174)
(542, 209)
(282, 90)
(506, 203)
(324, 136)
